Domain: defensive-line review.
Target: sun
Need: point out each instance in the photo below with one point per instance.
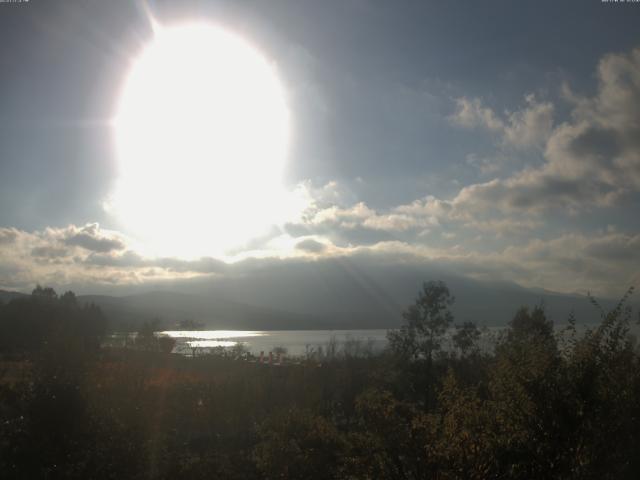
(202, 131)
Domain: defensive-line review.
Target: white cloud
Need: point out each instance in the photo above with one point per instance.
(84, 255)
(531, 126)
(603, 263)
(89, 237)
(471, 113)
(592, 160)
(527, 127)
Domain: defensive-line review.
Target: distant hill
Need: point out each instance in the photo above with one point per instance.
(326, 300)
(173, 307)
(7, 296)
(361, 295)
(328, 294)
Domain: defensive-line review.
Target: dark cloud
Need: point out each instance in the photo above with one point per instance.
(50, 252)
(597, 143)
(127, 259)
(311, 246)
(297, 229)
(616, 248)
(90, 241)
(201, 265)
(132, 260)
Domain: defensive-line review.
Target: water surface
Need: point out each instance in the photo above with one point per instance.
(296, 342)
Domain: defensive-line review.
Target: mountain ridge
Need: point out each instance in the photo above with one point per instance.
(336, 301)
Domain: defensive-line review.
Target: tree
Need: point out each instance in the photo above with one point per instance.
(279, 350)
(425, 323)
(166, 344)
(526, 325)
(466, 338)
(45, 293)
(298, 444)
(146, 337)
(69, 298)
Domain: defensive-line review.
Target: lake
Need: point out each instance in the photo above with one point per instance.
(296, 342)
(309, 342)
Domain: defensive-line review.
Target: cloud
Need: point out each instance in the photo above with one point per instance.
(48, 251)
(527, 127)
(592, 160)
(499, 227)
(362, 225)
(530, 126)
(419, 214)
(310, 245)
(494, 229)
(132, 260)
(602, 262)
(520, 132)
(8, 235)
(471, 113)
(486, 165)
(90, 238)
(589, 161)
(86, 255)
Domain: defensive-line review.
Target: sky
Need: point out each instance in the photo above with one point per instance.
(498, 140)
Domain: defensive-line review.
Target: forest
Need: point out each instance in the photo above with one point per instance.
(546, 401)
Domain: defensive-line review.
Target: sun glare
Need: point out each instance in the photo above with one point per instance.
(202, 132)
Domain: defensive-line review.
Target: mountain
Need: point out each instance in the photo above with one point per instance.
(333, 295)
(215, 313)
(348, 293)
(357, 294)
(6, 295)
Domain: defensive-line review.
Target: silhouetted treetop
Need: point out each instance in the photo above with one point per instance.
(528, 323)
(426, 322)
(46, 293)
(45, 320)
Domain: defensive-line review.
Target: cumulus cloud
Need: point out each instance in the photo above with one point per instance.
(363, 225)
(86, 255)
(604, 262)
(419, 214)
(89, 237)
(590, 160)
(601, 263)
(471, 113)
(593, 159)
(8, 235)
(527, 127)
(530, 126)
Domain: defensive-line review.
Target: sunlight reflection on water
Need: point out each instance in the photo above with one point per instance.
(296, 342)
(212, 334)
(304, 342)
(211, 343)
